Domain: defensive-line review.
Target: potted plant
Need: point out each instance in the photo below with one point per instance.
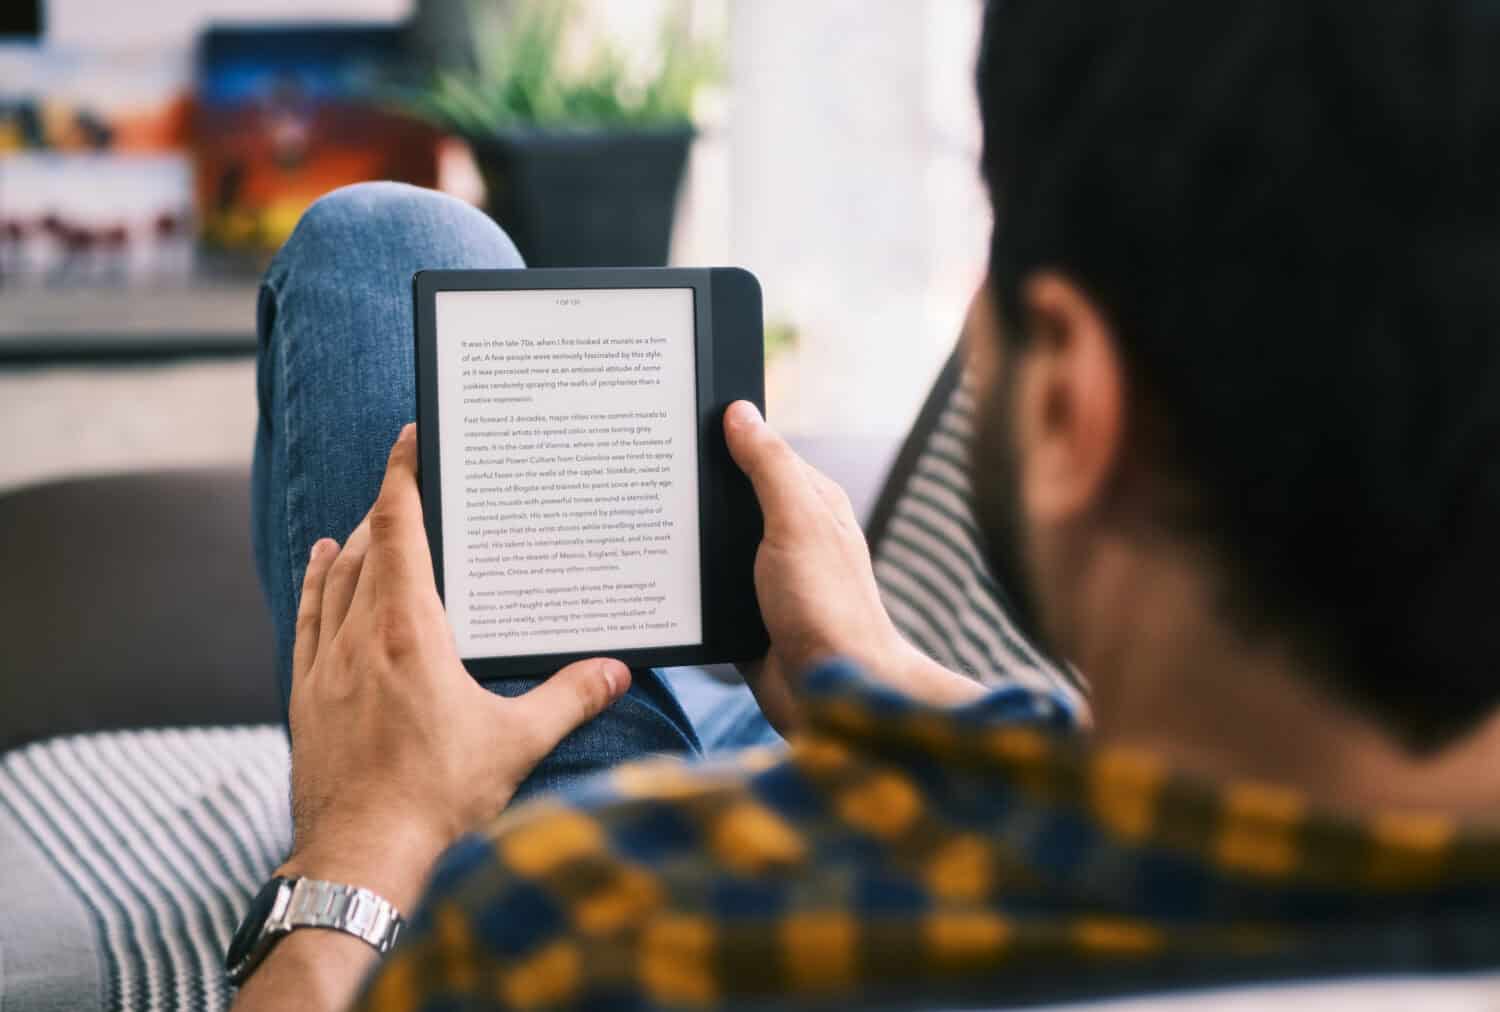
(582, 163)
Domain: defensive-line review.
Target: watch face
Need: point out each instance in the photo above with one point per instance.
(260, 908)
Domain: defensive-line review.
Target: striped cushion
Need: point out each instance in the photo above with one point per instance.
(158, 839)
(930, 565)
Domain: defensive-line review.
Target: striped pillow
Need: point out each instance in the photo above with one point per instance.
(930, 565)
(129, 859)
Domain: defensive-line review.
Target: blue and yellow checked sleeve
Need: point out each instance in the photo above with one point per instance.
(898, 854)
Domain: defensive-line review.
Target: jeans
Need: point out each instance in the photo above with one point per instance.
(336, 382)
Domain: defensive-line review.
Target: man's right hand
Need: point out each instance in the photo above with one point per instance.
(816, 585)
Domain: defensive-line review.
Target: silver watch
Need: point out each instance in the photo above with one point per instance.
(286, 904)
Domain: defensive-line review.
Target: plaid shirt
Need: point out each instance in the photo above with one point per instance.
(901, 856)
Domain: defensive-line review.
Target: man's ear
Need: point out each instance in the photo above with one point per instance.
(1069, 400)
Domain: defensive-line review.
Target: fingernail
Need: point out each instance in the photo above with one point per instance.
(408, 431)
(614, 675)
(317, 547)
(743, 413)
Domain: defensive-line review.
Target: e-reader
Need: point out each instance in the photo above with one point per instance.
(577, 490)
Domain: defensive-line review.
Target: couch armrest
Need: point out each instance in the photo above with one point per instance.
(131, 601)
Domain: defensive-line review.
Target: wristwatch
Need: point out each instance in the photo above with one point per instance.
(286, 904)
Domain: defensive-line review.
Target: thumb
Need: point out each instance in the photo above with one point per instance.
(572, 697)
(774, 469)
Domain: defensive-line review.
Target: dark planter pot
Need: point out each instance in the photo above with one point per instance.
(585, 198)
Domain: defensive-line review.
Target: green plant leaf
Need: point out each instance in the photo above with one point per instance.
(519, 76)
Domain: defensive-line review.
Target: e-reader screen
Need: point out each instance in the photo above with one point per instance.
(568, 454)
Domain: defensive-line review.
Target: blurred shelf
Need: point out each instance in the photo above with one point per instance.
(41, 325)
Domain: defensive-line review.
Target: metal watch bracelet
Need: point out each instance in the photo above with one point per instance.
(310, 903)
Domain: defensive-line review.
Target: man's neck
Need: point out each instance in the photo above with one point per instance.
(1172, 674)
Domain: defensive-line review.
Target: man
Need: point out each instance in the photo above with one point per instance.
(1239, 388)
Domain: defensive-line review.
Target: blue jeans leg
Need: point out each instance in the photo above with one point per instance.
(725, 715)
(336, 382)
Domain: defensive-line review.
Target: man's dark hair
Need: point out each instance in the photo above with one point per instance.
(1289, 210)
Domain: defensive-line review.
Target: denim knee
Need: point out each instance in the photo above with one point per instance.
(393, 226)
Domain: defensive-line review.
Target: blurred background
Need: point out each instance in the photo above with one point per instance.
(154, 153)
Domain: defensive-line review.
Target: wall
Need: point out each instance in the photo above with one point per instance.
(854, 193)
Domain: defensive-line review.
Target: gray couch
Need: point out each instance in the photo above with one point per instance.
(131, 601)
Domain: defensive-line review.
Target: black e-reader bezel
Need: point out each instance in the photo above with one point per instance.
(729, 341)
